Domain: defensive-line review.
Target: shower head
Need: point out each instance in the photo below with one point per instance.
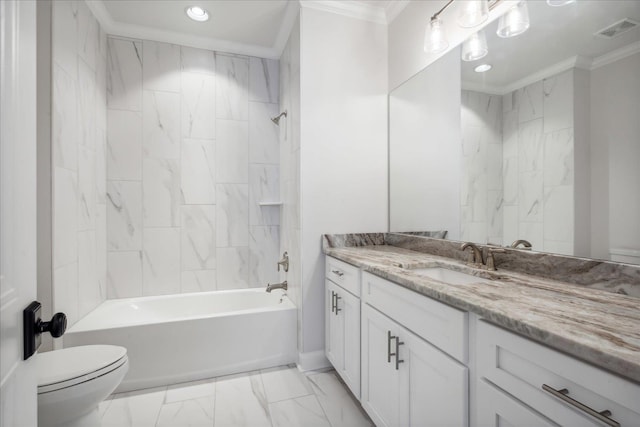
(276, 119)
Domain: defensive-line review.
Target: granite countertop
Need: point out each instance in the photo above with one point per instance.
(600, 327)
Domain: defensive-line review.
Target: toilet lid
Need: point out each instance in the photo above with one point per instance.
(63, 365)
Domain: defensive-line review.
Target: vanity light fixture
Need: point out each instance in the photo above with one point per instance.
(475, 47)
(515, 21)
(482, 68)
(197, 13)
(435, 39)
(473, 13)
(560, 2)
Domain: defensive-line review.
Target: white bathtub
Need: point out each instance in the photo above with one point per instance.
(177, 338)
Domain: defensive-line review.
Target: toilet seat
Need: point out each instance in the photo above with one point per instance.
(65, 368)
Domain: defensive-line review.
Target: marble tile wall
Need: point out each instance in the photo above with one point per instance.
(191, 153)
(79, 63)
(538, 164)
(482, 186)
(290, 168)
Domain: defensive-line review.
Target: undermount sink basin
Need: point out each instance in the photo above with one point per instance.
(449, 276)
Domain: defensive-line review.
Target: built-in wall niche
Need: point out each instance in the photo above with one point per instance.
(544, 146)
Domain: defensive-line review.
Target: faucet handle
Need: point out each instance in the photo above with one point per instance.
(284, 262)
(491, 262)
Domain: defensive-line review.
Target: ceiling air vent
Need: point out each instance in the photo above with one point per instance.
(617, 29)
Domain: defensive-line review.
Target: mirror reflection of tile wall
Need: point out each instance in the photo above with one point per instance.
(518, 164)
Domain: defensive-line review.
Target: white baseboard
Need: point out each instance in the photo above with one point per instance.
(312, 361)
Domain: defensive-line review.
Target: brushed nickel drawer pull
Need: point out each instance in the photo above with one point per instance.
(338, 298)
(398, 361)
(563, 395)
(338, 273)
(333, 301)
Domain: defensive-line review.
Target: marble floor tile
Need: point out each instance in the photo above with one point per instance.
(303, 411)
(194, 412)
(241, 401)
(338, 404)
(285, 383)
(135, 409)
(190, 390)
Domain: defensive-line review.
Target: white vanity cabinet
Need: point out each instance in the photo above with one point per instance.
(406, 380)
(342, 321)
(519, 381)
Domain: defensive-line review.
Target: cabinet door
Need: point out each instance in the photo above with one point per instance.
(498, 409)
(334, 329)
(380, 379)
(435, 386)
(348, 307)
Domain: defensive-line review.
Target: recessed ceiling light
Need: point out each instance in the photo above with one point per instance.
(482, 68)
(197, 13)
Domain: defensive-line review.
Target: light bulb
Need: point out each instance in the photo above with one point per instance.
(475, 47)
(473, 13)
(482, 68)
(560, 2)
(435, 39)
(515, 21)
(197, 13)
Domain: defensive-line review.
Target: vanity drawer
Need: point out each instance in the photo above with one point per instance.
(443, 326)
(343, 274)
(521, 367)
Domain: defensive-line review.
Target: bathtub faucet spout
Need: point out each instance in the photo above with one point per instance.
(282, 285)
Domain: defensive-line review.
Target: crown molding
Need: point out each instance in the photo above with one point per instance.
(350, 9)
(616, 55)
(567, 64)
(394, 8)
(477, 87)
(114, 28)
(290, 16)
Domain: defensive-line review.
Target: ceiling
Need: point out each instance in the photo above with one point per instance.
(251, 27)
(556, 36)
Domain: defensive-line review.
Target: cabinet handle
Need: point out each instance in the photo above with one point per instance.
(338, 273)
(389, 338)
(333, 301)
(397, 353)
(337, 309)
(563, 395)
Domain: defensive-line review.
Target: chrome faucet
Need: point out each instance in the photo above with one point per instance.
(475, 257)
(284, 262)
(282, 285)
(525, 244)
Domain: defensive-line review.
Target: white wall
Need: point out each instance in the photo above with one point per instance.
(615, 102)
(343, 144)
(425, 155)
(290, 169)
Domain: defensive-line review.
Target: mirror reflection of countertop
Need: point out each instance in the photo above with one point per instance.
(600, 327)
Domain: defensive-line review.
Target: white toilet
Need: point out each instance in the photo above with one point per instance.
(72, 382)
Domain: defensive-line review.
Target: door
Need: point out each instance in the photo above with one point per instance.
(18, 382)
(380, 379)
(349, 310)
(334, 326)
(435, 386)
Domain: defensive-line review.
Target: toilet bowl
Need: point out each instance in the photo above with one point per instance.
(72, 382)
